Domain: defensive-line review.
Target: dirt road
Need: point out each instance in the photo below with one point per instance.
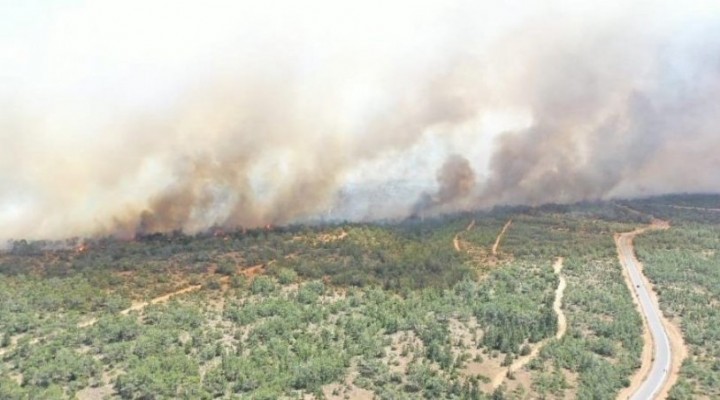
(160, 299)
(456, 239)
(561, 329)
(141, 305)
(496, 245)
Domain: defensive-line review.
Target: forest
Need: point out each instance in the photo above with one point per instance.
(455, 307)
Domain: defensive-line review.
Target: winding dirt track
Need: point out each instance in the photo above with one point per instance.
(134, 307)
(496, 245)
(456, 239)
(247, 272)
(561, 329)
(456, 243)
(557, 304)
(160, 299)
(663, 350)
(557, 307)
(141, 305)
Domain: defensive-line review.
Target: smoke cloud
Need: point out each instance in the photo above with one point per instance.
(456, 180)
(232, 115)
(606, 109)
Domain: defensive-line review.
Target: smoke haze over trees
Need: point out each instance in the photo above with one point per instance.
(127, 118)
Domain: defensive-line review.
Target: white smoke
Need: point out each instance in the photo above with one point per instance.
(119, 117)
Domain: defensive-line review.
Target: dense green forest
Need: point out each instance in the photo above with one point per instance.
(402, 310)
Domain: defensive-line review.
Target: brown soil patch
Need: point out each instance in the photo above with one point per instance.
(337, 391)
(572, 379)
(520, 379)
(102, 391)
(345, 390)
(95, 393)
(488, 368)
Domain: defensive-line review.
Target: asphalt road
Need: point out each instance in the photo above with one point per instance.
(661, 352)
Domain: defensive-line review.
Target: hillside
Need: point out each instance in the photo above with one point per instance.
(468, 306)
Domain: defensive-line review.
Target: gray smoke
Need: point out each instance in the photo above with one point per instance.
(619, 100)
(613, 115)
(456, 181)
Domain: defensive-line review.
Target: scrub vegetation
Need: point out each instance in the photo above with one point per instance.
(684, 265)
(383, 310)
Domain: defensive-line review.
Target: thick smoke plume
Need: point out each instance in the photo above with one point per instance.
(254, 115)
(613, 118)
(456, 181)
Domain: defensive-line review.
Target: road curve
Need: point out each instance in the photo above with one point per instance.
(662, 353)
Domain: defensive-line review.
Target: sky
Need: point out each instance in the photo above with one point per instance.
(120, 116)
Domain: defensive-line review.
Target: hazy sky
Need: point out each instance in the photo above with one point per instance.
(100, 99)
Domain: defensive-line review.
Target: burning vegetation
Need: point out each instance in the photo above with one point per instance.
(594, 110)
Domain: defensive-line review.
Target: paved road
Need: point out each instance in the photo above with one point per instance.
(661, 352)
